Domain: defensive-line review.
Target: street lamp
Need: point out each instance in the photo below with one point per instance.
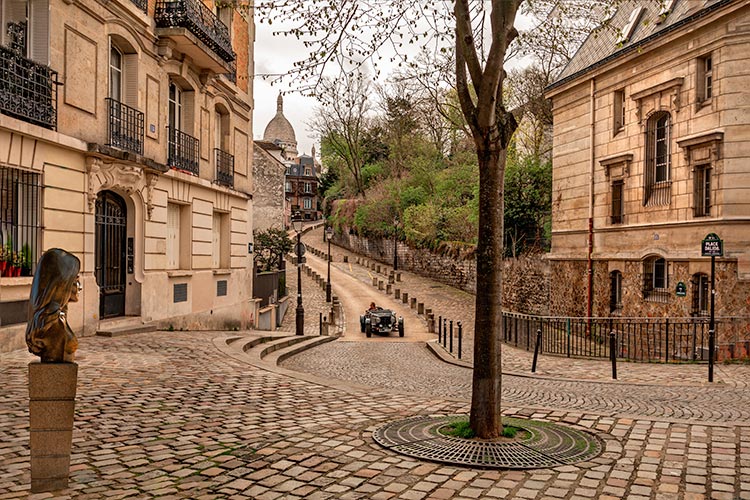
(300, 318)
(329, 235)
(395, 243)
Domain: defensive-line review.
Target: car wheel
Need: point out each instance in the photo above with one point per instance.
(401, 327)
(368, 330)
(362, 324)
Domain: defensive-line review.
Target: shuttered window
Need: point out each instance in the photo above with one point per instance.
(25, 28)
(617, 202)
(658, 160)
(702, 191)
(173, 236)
(216, 242)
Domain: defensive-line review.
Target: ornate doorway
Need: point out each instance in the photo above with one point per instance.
(111, 226)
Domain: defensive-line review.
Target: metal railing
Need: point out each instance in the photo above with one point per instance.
(232, 74)
(20, 228)
(183, 151)
(28, 90)
(141, 4)
(199, 20)
(636, 339)
(224, 168)
(125, 127)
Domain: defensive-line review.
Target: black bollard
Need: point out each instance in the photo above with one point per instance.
(460, 335)
(445, 332)
(440, 329)
(451, 343)
(320, 327)
(613, 353)
(711, 342)
(536, 349)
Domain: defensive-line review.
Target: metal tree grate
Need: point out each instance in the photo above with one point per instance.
(545, 444)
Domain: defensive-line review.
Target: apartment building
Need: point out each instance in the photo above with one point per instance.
(125, 138)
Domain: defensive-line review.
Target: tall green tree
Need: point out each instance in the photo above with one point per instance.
(270, 247)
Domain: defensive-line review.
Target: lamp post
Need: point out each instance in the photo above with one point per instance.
(329, 235)
(395, 243)
(300, 318)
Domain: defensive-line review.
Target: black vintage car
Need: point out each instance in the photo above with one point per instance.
(381, 321)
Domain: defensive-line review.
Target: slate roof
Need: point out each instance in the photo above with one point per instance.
(602, 46)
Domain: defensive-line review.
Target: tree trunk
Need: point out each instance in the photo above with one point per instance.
(486, 384)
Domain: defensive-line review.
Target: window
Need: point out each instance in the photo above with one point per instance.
(173, 236)
(619, 111)
(115, 73)
(617, 202)
(308, 171)
(658, 159)
(615, 291)
(702, 191)
(25, 28)
(629, 28)
(701, 294)
(288, 170)
(20, 231)
(307, 203)
(175, 106)
(308, 187)
(704, 84)
(655, 281)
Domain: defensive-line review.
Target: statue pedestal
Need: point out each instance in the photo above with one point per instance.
(52, 392)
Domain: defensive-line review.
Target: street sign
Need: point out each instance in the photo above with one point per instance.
(300, 249)
(681, 290)
(712, 246)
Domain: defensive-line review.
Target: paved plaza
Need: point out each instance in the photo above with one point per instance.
(182, 415)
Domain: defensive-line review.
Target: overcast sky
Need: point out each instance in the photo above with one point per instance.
(276, 54)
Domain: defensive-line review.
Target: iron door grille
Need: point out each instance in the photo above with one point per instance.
(111, 225)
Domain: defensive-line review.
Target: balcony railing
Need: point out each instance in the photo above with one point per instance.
(141, 4)
(199, 20)
(125, 130)
(183, 151)
(232, 75)
(28, 90)
(224, 168)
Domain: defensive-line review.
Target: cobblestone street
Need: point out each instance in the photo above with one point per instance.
(172, 415)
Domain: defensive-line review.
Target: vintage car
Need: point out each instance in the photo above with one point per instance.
(381, 321)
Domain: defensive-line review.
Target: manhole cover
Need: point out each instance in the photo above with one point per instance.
(545, 444)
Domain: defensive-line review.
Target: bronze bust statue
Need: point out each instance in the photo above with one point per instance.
(56, 282)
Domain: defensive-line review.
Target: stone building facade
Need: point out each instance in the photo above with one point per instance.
(651, 148)
(269, 172)
(125, 139)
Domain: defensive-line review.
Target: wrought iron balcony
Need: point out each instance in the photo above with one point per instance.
(199, 20)
(224, 168)
(28, 90)
(125, 130)
(141, 4)
(183, 151)
(232, 74)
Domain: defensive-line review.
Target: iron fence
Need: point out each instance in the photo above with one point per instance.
(125, 127)
(28, 90)
(183, 151)
(199, 20)
(637, 339)
(224, 168)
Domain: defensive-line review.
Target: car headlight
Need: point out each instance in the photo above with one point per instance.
(375, 320)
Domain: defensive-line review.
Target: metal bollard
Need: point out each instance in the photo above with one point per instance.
(451, 343)
(536, 349)
(420, 308)
(460, 336)
(320, 328)
(388, 288)
(397, 294)
(613, 353)
(711, 342)
(405, 298)
(445, 331)
(440, 329)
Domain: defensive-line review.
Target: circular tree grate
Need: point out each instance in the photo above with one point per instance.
(545, 444)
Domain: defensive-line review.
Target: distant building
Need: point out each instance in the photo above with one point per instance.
(269, 172)
(651, 152)
(301, 182)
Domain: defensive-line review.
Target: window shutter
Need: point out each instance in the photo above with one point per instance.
(188, 113)
(130, 80)
(39, 36)
(173, 234)
(216, 242)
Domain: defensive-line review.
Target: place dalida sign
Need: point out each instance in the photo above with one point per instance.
(712, 246)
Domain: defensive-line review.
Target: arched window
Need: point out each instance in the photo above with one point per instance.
(658, 159)
(615, 291)
(655, 279)
(701, 293)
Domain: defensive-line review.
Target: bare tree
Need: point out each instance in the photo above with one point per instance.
(341, 121)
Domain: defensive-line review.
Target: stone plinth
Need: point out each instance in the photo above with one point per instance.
(52, 392)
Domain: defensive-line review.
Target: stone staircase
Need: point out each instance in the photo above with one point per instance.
(126, 325)
(270, 350)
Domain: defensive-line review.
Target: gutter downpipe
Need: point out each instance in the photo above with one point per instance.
(590, 244)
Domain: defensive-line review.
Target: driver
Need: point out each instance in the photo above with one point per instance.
(373, 307)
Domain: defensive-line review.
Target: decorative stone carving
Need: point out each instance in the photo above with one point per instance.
(672, 87)
(611, 163)
(705, 146)
(125, 177)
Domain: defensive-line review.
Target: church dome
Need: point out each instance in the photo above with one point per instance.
(280, 131)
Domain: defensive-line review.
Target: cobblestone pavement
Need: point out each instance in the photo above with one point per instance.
(459, 306)
(167, 415)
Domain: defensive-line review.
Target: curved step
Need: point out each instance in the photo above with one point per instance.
(309, 342)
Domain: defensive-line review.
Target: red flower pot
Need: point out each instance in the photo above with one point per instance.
(3, 266)
(16, 272)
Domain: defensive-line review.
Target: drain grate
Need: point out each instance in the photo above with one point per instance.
(545, 444)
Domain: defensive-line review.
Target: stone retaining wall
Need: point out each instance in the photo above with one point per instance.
(526, 286)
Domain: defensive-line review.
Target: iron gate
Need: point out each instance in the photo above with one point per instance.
(111, 225)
